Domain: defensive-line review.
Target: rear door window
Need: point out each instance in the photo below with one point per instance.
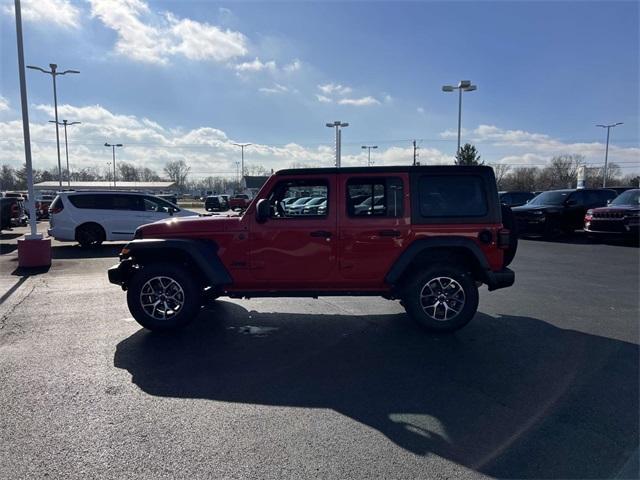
(375, 197)
(90, 201)
(452, 196)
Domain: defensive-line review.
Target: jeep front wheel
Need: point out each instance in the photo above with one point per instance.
(442, 298)
(163, 296)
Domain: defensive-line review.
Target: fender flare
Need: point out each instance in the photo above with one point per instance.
(203, 253)
(405, 260)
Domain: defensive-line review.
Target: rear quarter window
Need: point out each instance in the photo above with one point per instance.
(87, 201)
(458, 196)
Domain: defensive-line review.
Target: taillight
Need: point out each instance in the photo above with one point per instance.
(56, 206)
(504, 238)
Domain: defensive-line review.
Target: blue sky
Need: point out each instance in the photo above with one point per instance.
(186, 79)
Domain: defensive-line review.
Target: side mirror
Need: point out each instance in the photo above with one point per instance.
(262, 211)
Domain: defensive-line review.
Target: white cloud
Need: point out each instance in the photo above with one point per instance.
(529, 147)
(335, 92)
(147, 37)
(277, 88)
(4, 104)
(359, 102)
(61, 13)
(256, 66)
(333, 88)
(420, 110)
(293, 66)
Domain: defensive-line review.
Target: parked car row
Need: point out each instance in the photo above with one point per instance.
(552, 213)
(216, 203)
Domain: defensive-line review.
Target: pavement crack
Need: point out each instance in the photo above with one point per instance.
(5, 317)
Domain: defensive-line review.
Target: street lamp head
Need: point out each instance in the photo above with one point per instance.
(470, 88)
(73, 123)
(447, 88)
(53, 66)
(69, 71)
(106, 144)
(375, 146)
(619, 123)
(345, 124)
(464, 84)
(118, 145)
(364, 146)
(33, 67)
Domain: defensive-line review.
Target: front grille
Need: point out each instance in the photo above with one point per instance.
(616, 227)
(608, 214)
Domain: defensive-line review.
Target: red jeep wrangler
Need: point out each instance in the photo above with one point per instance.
(426, 235)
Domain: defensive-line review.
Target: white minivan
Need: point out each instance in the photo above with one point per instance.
(93, 217)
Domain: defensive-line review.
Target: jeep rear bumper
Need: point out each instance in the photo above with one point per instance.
(500, 279)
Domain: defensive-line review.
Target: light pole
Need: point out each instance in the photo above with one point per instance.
(54, 73)
(109, 173)
(66, 146)
(369, 147)
(113, 150)
(338, 125)
(463, 86)
(606, 151)
(238, 173)
(242, 145)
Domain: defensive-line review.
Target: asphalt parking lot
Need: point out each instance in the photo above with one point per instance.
(542, 384)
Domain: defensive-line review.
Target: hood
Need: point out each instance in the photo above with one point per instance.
(527, 208)
(617, 208)
(187, 226)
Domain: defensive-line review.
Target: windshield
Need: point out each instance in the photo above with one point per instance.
(630, 197)
(551, 198)
(301, 201)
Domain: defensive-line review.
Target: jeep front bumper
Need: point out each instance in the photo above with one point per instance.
(119, 274)
(500, 279)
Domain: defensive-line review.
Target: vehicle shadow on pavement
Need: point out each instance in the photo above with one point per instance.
(507, 396)
(76, 251)
(580, 238)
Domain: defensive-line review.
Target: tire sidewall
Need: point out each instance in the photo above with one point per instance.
(179, 274)
(414, 288)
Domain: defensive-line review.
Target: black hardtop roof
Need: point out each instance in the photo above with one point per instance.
(385, 169)
(121, 192)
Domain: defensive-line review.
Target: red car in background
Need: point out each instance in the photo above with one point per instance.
(239, 201)
(620, 218)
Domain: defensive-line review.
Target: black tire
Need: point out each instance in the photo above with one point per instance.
(413, 300)
(90, 235)
(191, 297)
(509, 222)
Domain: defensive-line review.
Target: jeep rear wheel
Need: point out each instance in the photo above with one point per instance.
(163, 296)
(442, 298)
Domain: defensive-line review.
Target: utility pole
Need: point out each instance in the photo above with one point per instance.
(338, 125)
(113, 151)
(369, 147)
(242, 145)
(54, 73)
(606, 151)
(66, 146)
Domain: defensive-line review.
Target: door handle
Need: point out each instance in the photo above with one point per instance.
(321, 233)
(389, 233)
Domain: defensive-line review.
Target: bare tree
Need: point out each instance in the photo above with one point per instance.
(500, 170)
(595, 176)
(127, 172)
(562, 171)
(177, 171)
(256, 170)
(7, 178)
(525, 178)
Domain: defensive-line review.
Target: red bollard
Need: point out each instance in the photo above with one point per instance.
(34, 252)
